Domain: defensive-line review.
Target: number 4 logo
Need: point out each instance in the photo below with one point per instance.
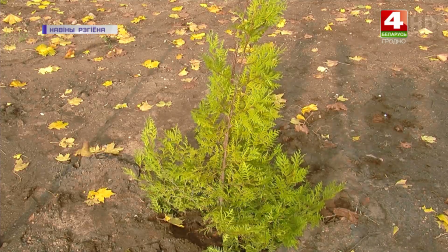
(394, 19)
(394, 23)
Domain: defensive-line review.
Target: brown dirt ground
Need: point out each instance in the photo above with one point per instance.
(45, 210)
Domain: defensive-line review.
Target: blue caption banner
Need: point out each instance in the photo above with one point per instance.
(79, 29)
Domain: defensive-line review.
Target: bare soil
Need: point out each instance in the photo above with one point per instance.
(44, 210)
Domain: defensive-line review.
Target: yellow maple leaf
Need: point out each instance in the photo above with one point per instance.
(424, 48)
(58, 125)
(32, 19)
(177, 8)
(342, 98)
(151, 64)
(67, 142)
(195, 64)
(126, 40)
(341, 19)
(369, 21)
(70, 54)
(63, 158)
(192, 26)
(203, 5)
(121, 105)
(48, 69)
(97, 59)
(17, 156)
(84, 151)
(295, 121)
(86, 52)
(368, 7)
(178, 42)
(20, 165)
(214, 9)
(95, 149)
(309, 108)
(180, 32)
(16, 83)
(424, 31)
(356, 138)
(230, 32)
(75, 101)
(286, 32)
(314, 49)
(68, 91)
(174, 15)
(418, 9)
(322, 69)
(107, 83)
(429, 139)
(282, 23)
(443, 221)
(183, 72)
(300, 117)
(144, 106)
(342, 10)
(9, 47)
(96, 197)
(110, 149)
(100, 9)
(445, 33)
(328, 27)
(357, 58)
(427, 210)
(234, 19)
(31, 41)
(87, 18)
(179, 56)
(45, 50)
(197, 36)
(11, 19)
(7, 29)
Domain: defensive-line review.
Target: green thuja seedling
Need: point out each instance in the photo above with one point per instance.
(238, 177)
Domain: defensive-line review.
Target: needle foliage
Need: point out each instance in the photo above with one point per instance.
(238, 177)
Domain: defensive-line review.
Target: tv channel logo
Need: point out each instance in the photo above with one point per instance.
(394, 23)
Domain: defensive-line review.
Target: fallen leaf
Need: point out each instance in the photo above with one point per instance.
(9, 47)
(341, 98)
(418, 9)
(337, 106)
(86, 52)
(63, 158)
(67, 142)
(58, 125)
(110, 148)
(20, 165)
(424, 48)
(163, 104)
(309, 108)
(121, 105)
(70, 54)
(278, 100)
(96, 197)
(281, 23)
(179, 56)
(283, 32)
(424, 31)
(356, 138)
(187, 79)
(214, 9)
(402, 183)
(151, 64)
(183, 72)
(195, 64)
(84, 151)
(328, 27)
(31, 41)
(17, 156)
(341, 19)
(427, 210)
(395, 230)
(144, 106)
(395, 68)
(307, 36)
(442, 57)
(75, 101)
(8, 29)
(357, 58)
(445, 33)
(309, 18)
(95, 149)
(349, 215)
(429, 139)
(16, 83)
(45, 50)
(405, 145)
(174, 15)
(355, 13)
(314, 49)
(369, 21)
(179, 42)
(107, 83)
(174, 221)
(322, 69)
(331, 63)
(180, 32)
(197, 36)
(11, 19)
(301, 128)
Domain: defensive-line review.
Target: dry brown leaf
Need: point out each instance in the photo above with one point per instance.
(301, 128)
(331, 63)
(307, 36)
(349, 215)
(442, 57)
(337, 106)
(395, 68)
(405, 145)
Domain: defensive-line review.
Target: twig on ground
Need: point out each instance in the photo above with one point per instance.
(440, 235)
